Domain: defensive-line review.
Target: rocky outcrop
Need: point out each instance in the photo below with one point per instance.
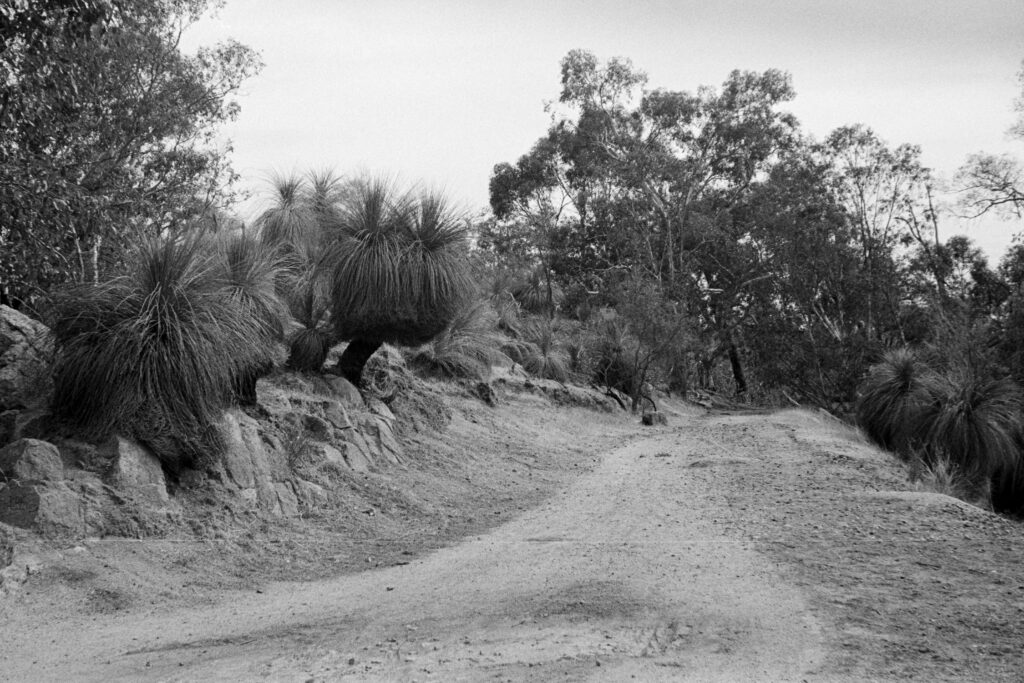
(288, 457)
(556, 392)
(26, 348)
(278, 465)
(30, 461)
(136, 471)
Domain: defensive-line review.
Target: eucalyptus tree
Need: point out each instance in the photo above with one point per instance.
(995, 182)
(106, 129)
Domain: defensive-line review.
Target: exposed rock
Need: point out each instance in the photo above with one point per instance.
(651, 419)
(6, 545)
(245, 459)
(346, 391)
(316, 427)
(26, 348)
(50, 508)
(287, 501)
(335, 414)
(310, 495)
(357, 449)
(136, 470)
(19, 567)
(356, 459)
(31, 460)
(378, 407)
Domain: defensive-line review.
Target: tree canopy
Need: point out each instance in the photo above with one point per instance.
(108, 133)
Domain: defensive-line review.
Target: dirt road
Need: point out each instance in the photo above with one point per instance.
(677, 558)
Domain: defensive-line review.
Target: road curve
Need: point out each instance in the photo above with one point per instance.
(622, 575)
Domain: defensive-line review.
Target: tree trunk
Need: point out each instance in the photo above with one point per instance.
(354, 358)
(737, 368)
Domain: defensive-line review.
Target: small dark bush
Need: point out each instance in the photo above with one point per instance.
(155, 353)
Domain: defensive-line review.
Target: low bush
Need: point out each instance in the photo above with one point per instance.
(467, 348)
(896, 400)
(155, 354)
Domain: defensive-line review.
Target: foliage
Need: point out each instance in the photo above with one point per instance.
(155, 353)
(107, 133)
(540, 352)
(297, 226)
(977, 426)
(400, 271)
(249, 272)
(467, 348)
(897, 400)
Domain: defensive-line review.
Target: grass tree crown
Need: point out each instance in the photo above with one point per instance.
(400, 271)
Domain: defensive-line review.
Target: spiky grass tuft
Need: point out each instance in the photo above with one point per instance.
(897, 399)
(540, 353)
(467, 348)
(400, 271)
(249, 272)
(977, 426)
(154, 354)
(289, 219)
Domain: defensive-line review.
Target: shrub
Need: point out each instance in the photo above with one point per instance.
(306, 291)
(537, 293)
(249, 271)
(896, 399)
(400, 271)
(539, 352)
(297, 225)
(467, 348)
(154, 354)
(976, 425)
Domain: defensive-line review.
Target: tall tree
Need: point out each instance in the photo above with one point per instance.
(106, 130)
(995, 182)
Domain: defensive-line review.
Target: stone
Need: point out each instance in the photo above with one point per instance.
(287, 500)
(266, 499)
(316, 427)
(346, 391)
(325, 452)
(381, 409)
(31, 460)
(245, 458)
(26, 349)
(336, 415)
(355, 440)
(51, 508)
(6, 545)
(356, 459)
(136, 470)
(651, 419)
(310, 495)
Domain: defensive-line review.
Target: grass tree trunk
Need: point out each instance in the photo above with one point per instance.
(354, 358)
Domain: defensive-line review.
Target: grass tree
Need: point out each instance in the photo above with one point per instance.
(897, 400)
(298, 225)
(400, 272)
(977, 426)
(156, 353)
(250, 271)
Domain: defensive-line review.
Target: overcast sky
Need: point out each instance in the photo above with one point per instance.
(440, 91)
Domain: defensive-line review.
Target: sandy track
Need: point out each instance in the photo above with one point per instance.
(624, 574)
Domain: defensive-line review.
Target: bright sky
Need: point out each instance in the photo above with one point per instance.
(439, 91)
